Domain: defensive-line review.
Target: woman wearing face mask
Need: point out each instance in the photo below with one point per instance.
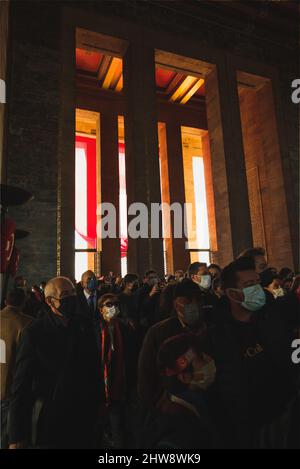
(183, 416)
(113, 365)
(275, 287)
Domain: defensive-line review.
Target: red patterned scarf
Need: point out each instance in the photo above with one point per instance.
(113, 361)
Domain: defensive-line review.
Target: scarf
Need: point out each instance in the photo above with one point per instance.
(112, 361)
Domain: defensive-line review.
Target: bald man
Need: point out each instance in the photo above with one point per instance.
(58, 384)
(88, 300)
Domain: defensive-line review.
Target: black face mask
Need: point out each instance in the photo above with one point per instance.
(194, 316)
(67, 306)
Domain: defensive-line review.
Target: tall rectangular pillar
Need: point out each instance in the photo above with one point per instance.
(233, 223)
(181, 256)
(241, 230)
(109, 187)
(142, 161)
(270, 224)
(211, 213)
(221, 197)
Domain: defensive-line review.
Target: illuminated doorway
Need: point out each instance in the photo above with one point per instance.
(122, 197)
(195, 194)
(86, 179)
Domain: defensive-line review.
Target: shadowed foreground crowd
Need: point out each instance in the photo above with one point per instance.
(202, 359)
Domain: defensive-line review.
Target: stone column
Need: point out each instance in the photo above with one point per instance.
(233, 223)
(141, 151)
(181, 256)
(109, 187)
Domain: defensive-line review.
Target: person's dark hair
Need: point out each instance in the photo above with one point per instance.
(170, 278)
(106, 296)
(253, 252)
(215, 266)
(129, 278)
(148, 272)
(241, 264)
(286, 281)
(15, 297)
(194, 267)
(179, 270)
(268, 275)
(285, 273)
(166, 300)
(186, 288)
(216, 283)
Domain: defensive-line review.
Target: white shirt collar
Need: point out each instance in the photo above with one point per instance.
(88, 295)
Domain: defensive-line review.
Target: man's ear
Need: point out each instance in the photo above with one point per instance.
(49, 301)
(234, 295)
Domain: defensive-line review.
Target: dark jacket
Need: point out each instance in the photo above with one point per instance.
(130, 337)
(210, 300)
(127, 307)
(83, 307)
(93, 316)
(57, 367)
(147, 307)
(179, 425)
(256, 378)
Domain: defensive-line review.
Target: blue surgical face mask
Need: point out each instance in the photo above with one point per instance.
(92, 284)
(254, 297)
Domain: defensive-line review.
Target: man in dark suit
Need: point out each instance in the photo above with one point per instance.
(58, 385)
(87, 300)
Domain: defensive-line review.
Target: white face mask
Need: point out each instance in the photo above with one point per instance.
(205, 282)
(153, 281)
(112, 312)
(208, 374)
(278, 292)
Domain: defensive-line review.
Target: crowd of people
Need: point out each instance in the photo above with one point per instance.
(198, 359)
